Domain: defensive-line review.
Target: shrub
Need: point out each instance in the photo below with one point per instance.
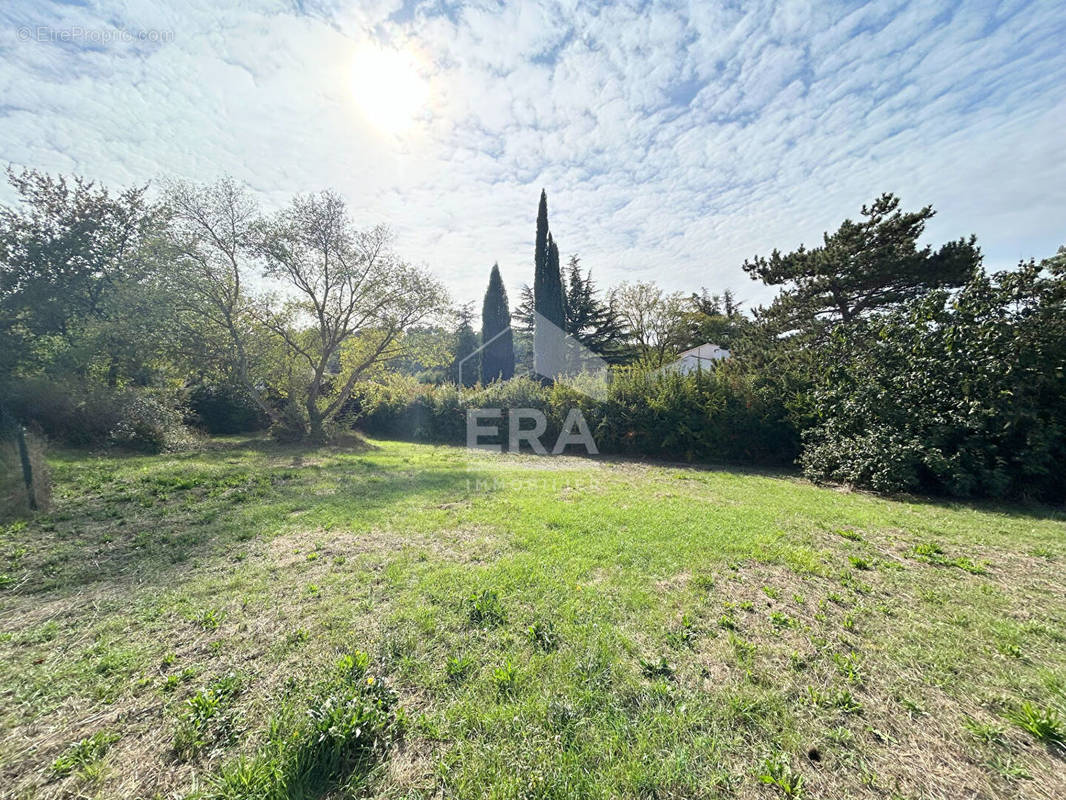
(956, 394)
(85, 414)
(224, 408)
(715, 415)
(149, 425)
(291, 426)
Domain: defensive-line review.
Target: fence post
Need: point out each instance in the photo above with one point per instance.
(27, 467)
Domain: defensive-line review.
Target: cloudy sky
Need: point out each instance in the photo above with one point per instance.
(674, 139)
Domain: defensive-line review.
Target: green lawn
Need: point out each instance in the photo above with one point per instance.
(532, 627)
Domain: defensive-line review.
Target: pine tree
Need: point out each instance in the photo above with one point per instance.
(548, 342)
(863, 268)
(497, 359)
(523, 315)
(465, 367)
(590, 320)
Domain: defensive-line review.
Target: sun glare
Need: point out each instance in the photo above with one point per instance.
(387, 87)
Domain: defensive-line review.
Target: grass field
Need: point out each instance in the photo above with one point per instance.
(401, 620)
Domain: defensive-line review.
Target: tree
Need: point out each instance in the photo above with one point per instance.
(466, 362)
(524, 313)
(353, 298)
(212, 232)
(76, 288)
(654, 320)
(863, 267)
(348, 304)
(714, 318)
(591, 321)
(497, 357)
(548, 341)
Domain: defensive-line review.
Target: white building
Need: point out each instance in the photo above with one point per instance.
(702, 357)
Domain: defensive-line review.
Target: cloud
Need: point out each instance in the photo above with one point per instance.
(674, 139)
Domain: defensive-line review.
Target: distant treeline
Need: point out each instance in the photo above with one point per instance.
(134, 319)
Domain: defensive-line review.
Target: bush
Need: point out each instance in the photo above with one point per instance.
(82, 414)
(224, 408)
(715, 415)
(148, 425)
(961, 395)
(291, 425)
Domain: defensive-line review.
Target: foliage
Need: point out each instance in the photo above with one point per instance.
(350, 298)
(358, 296)
(548, 298)
(715, 319)
(497, 357)
(221, 408)
(83, 413)
(465, 366)
(867, 266)
(654, 320)
(963, 394)
(593, 322)
(75, 284)
(149, 424)
(715, 416)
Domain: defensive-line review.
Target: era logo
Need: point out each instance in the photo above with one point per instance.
(516, 434)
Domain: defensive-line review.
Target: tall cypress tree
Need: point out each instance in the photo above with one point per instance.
(548, 343)
(497, 359)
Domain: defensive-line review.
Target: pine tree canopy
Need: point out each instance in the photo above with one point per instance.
(865, 266)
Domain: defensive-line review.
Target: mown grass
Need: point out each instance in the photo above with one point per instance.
(195, 625)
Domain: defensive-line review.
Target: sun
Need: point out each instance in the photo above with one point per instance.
(387, 87)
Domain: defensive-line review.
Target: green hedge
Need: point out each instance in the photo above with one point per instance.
(716, 416)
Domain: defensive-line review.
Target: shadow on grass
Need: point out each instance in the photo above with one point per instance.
(136, 518)
(141, 518)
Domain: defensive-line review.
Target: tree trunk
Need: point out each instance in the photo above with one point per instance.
(317, 431)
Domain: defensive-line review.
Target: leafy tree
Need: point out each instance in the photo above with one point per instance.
(864, 267)
(962, 393)
(714, 318)
(211, 231)
(497, 357)
(353, 298)
(77, 285)
(548, 298)
(654, 320)
(350, 304)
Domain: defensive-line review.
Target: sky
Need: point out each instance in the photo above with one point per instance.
(674, 139)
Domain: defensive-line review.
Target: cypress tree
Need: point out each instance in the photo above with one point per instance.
(548, 300)
(497, 359)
